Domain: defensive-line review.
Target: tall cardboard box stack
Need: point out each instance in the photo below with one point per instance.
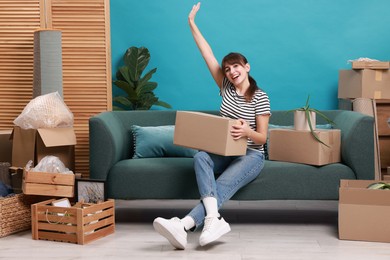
(366, 89)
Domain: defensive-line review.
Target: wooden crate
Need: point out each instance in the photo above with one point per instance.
(48, 184)
(79, 224)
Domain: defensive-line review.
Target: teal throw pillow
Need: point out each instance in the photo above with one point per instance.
(157, 141)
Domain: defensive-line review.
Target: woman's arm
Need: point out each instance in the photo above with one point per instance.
(259, 136)
(204, 47)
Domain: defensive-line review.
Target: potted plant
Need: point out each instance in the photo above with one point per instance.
(305, 119)
(139, 89)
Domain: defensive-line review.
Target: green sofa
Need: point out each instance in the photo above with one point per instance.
(111, 152)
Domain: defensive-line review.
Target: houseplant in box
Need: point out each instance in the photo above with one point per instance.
(138, 89)
(305, 119)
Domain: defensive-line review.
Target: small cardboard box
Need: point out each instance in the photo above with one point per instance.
(370, 65)
(366, 83)
(48, 184)
(5, 146)
(363, 213)
(34, 144)
(301, 147)
(79, 224)
(208, 133)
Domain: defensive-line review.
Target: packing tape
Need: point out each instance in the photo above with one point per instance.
(378, 75)
(377, 94)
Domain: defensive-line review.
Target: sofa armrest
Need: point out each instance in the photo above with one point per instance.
(357, 142)
(107, 144)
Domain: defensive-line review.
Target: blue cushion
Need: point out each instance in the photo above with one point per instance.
(157, 141)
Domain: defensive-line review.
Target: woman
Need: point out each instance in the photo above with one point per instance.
(220, 177)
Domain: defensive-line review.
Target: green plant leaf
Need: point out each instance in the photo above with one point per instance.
(162, 104)
(147, 76)
(139, 90)
(125, 86)
(323, 116)
(137, 60)
(125, 73)
(122, 100)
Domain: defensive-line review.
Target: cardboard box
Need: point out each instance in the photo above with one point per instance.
(363, 213)
(366, 83)
(34, 144)
(48, 184)
(79, 224)
(370, 65)
(207, 132)
(5, 146)
(300, 146)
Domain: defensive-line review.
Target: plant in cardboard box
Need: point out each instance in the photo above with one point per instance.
(138, 88)
(379, 186)
(305, 119)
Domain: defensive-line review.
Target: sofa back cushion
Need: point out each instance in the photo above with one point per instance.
(157, 141)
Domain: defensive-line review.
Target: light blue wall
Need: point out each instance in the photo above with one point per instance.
(295, 47)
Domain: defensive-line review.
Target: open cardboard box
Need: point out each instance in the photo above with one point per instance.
(363, 213)
(208, 133)
(34, 144)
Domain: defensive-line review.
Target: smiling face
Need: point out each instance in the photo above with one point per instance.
(236, 68)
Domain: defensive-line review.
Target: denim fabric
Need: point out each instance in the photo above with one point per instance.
(222, 176)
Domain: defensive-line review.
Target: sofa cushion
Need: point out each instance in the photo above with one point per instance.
(157, 141)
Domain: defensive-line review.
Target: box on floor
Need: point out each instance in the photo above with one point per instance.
(363, 213)
(365, 83)
(34, 144)
(207, 132)
(301, 147)
(82, 224)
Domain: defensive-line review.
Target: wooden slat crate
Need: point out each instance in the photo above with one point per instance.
(79, 224)
(48, 184)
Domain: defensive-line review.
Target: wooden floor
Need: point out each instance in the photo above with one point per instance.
(260, 230)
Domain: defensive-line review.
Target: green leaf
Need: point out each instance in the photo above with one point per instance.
(147, 76)
(122, 100)
(136, 59)
(162, 104)
(323, 116)
(138, 89)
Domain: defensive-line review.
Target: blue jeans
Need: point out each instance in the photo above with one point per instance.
(222, 176)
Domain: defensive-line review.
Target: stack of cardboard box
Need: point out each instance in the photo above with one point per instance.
(362, 211)
(365, 80)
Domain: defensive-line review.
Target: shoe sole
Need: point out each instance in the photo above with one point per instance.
(168, 235)
(222, 232)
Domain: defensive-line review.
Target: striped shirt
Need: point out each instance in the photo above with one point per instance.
(234, 106)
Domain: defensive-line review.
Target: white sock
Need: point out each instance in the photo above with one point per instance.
(188, 222)
(211, 206)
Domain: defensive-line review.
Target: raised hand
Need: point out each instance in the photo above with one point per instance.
(195, 9)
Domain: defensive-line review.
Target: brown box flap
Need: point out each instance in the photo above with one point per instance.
(57, 136)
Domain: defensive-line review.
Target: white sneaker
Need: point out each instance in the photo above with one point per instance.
(173, 230)
(213, 229)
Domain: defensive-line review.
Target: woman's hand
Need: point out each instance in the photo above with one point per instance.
(241, 130)
(194, 11)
